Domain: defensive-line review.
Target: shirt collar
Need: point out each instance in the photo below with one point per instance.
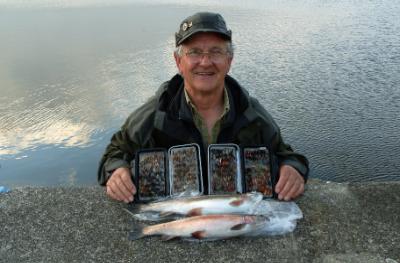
(226, 102)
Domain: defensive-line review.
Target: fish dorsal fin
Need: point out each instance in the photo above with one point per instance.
(195, 212)
(199, 234)
(134, 209)
(137, 232)
(238, 226)
(167, 237)
(166, 213)
(238, 202)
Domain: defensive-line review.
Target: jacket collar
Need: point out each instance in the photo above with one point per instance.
(172, 102)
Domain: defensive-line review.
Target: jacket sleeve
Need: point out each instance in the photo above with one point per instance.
(132, 136)
(283, 151)
(286, 155)
(119, 153)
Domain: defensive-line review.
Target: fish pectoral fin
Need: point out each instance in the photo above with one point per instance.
(199, 234)
(136, 233)
(167, 237)
(195, 212)
(167, 213)
(238, 202)
(238, 226)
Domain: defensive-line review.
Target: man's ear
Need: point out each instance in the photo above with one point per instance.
(230, 59)
(177, 61)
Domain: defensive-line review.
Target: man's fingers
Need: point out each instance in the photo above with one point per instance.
(123, 191)
(294, 192)
(300, 191)
(290, 183)
(120, 185)
(127, 186)
(114, 191)
(109, 192)
(126, 179)
(281, 182)
(112, 194)
(287, 187)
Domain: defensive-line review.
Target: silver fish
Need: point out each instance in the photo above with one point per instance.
(199, 205)
(207, 227)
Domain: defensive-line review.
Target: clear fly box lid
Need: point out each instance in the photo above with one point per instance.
(151, 177)
(224, 169)
(185, 170)
(257, 170)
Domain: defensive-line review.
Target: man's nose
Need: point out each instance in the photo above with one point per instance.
(205, 59)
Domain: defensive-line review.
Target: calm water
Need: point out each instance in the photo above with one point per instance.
(71, 72)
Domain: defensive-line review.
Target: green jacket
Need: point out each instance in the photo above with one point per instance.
(166, 120)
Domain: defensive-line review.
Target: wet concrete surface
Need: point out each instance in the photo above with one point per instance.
(342, 223)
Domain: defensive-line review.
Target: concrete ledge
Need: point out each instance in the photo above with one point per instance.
(342, 223)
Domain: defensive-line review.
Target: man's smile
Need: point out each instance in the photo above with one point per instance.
(205, 73)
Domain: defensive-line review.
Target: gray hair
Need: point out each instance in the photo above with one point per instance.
(229, 49)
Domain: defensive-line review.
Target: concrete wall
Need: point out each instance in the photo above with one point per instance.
(342, 223)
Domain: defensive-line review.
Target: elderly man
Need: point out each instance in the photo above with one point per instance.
(204, 105)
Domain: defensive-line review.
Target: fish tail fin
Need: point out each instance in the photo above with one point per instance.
(262, 220)
(167, 214)
(128, 210)
(137, 232)
(259, 225)
(134, 209)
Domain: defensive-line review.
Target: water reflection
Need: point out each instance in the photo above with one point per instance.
(130, 79)
(63, 133)
(327, 71)
(62, 115)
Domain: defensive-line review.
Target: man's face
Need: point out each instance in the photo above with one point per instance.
(204, 72)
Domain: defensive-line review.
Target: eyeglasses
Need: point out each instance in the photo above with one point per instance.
(215, 55)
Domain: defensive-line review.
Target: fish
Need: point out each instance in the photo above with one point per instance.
(203, 227)
(197, 205)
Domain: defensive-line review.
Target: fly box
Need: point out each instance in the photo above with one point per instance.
(257, 170)
(178, 172)
(151, 178)
(160, 173)
(224, 169)
(185, 175)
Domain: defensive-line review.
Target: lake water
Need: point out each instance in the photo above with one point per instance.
(72, 71)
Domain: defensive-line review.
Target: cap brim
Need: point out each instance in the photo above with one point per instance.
(227, 35)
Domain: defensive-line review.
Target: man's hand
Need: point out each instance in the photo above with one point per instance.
(120, 186)
(290, 184)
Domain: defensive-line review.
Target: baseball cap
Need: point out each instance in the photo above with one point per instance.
(202, 22)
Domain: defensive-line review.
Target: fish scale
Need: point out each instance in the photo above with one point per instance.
(198, 205)
(213, 227)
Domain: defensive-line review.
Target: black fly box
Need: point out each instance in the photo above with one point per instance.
(177, 172)
(224, 169)
(151, 177)
(185, 176)
(160, 173)
(257, 170)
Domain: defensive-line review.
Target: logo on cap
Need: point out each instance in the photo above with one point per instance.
(186, 26)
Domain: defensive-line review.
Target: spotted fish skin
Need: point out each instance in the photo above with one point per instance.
(202, 205)
(207, 227)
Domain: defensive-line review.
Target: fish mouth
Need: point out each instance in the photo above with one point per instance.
(255, 196)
